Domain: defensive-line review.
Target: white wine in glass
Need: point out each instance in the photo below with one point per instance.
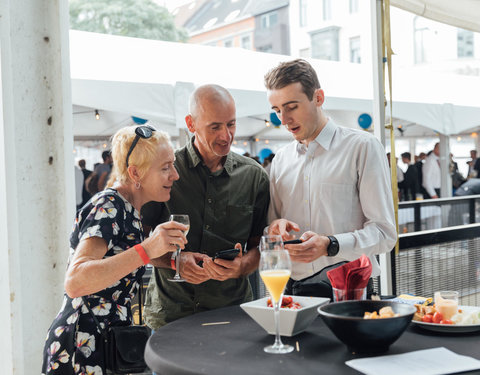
(275, 269)
(182, 219)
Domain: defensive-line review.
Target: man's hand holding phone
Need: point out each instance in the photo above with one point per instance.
(220, 268)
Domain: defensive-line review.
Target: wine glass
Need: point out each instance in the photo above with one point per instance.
(270, 242)
(275, 269)
(182, 219)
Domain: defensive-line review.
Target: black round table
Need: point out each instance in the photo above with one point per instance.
(187, 346)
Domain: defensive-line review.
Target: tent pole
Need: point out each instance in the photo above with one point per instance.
(379, 119)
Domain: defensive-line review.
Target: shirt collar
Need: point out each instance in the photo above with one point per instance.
(194, 158)
(324, 138)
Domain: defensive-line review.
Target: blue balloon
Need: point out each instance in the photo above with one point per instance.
(274, 119)
(264, 153)
(138, 120)
(364, 120)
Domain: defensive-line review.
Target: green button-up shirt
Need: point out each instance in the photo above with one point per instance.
(224, 207)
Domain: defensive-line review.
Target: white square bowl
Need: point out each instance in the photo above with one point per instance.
(292, 322)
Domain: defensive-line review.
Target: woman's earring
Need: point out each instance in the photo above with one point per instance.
(137, 185)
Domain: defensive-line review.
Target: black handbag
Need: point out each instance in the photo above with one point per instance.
(124, 345)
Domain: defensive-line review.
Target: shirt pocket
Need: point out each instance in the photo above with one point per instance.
(238, 222)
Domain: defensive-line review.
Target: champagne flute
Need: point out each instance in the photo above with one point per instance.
(271, 242)
(275, 269)
(182, 219)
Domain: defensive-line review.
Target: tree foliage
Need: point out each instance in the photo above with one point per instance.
(135, 18)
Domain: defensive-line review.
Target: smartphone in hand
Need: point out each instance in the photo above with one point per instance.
(292, 242)
(229, 254)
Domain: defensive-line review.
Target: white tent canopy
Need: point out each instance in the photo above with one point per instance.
(153, 79)
(459, 13)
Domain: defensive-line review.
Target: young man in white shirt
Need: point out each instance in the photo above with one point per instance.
(432, 176)
(331, 184)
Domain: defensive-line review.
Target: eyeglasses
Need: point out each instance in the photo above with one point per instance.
(144, 132)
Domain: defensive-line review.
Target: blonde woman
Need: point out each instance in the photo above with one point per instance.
(108, 250)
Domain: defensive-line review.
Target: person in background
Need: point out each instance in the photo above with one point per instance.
(431, 173)
(79, 184)
(409, 186)
(457, 178)
(400, 176)
(331, 184)
(419, 160)
(103, 170)
(86, 172)
(226, 198)
(108, 251)
(473, 165)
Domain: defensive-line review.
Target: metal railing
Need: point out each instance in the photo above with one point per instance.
(447, 258)
(415, 216)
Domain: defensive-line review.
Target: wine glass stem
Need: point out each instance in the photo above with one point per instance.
(276, 310)
(177, 263)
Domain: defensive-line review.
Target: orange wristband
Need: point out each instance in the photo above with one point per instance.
(141, 251)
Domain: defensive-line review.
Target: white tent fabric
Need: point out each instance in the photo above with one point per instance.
(153, 79)
(460, 13)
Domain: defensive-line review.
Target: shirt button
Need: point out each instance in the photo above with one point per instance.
(207, 226)
(209, 200)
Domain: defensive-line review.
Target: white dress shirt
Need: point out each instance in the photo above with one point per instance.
(432, 178)
(339, 185)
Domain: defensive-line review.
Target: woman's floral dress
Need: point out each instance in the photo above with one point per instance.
(74, 345)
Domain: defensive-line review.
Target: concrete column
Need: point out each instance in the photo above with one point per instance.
(36, 175)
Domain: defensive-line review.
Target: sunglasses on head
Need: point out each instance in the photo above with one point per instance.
(141, 132)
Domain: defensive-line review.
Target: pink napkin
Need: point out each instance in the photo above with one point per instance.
(351, 275)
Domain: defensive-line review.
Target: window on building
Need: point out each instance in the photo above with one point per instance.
(269, 20)
(228, 43)
(421, 36)
(325, 44)
(327, 10)
(353, 6)
(246, 42)
(303, 13)
(464, 43)
(355, 56)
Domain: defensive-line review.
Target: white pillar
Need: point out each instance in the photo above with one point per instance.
(36, 175)
(379, 119)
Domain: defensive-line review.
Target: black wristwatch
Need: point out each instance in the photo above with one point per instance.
(333, 248)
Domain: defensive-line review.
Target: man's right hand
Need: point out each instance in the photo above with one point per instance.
(282, 227)
(189, 268)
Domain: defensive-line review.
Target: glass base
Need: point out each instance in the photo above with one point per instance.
(179, 280)
(278, 349)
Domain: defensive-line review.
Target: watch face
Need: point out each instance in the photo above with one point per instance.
(333, 248)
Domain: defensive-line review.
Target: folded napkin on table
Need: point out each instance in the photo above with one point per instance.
(351, 275)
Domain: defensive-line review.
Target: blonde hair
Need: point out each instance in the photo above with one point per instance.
(141, 156)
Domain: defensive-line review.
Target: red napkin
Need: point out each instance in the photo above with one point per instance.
(351, 275)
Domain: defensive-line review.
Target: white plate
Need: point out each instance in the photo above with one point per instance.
(451, 328)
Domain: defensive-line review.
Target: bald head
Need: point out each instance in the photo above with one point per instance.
(207, 95)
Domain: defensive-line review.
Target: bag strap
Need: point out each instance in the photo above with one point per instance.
(97, 323)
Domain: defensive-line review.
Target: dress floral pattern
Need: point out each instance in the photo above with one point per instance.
(74, 345)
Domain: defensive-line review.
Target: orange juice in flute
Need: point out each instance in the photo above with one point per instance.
(275, 281)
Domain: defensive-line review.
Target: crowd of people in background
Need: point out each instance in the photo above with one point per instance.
(422, 177)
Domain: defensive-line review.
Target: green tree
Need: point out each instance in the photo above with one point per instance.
(135, 18)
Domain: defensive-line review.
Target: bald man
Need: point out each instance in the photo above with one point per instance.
(226, 196)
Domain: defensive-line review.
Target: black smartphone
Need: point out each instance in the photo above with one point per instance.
(292, 242)
(229, 254)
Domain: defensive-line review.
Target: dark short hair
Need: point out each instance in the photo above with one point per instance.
(81, 163)
(407, 155)
(289, 72)
(105, 155)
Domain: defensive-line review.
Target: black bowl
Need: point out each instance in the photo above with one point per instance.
(345, 320)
